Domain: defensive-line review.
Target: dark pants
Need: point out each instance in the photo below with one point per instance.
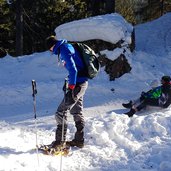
(146, 102)
(76, 110)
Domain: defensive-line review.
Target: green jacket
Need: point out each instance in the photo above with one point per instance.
(153, 93)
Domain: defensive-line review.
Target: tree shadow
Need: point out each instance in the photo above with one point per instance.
(8, 151)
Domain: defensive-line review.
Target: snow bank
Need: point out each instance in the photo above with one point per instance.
(110, 27)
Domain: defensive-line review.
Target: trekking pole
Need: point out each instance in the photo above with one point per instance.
(34, 89)
(63, 120)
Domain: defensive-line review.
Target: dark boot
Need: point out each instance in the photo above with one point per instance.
(128, 105)
(56, 144)
(75, 143)
(131, 112)
(78, 140)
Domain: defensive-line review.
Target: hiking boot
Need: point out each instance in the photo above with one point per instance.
(75, 143)
(128, 105)
(56, 144)
(131, 112)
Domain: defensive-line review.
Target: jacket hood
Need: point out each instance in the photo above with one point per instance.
(57, 45)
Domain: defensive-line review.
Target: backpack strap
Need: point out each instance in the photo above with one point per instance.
(59, 51)
(82, 72)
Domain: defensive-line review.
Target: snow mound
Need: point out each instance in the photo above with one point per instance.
(110, 27)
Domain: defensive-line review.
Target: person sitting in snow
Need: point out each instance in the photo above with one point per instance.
(73, 99)
(159, 96)
(155, 92)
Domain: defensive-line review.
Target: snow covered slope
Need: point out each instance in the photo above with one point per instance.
(113, 141)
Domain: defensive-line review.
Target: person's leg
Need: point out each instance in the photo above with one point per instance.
(77, 112)
(138, 105)
(142, 105)
(147, 101)
(136, 102)
(61, 117)
(133, 103)
(61, 114)
(78, 92)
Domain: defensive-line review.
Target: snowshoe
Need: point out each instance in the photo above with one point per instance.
(58, 150)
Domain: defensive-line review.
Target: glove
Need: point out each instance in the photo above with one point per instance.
(142, 97)
(71, 86)
(67, 86)
(68, 91)
(69, 97)
(143, 93)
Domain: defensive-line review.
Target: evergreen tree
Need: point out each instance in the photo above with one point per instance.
(41, 17)
(126, 9)
(6, 26)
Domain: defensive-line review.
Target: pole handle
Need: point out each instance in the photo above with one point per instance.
(34, 89)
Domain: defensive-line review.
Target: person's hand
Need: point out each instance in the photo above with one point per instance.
(142, 97)
(67, 86)
(143, 93)
(69, 96)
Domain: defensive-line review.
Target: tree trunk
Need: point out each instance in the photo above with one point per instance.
(110, 6)
(19, 28)
(95, 7)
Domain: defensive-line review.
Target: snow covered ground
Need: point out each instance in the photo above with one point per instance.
(113, 141)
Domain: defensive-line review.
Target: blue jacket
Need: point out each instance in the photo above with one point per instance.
(71, 59)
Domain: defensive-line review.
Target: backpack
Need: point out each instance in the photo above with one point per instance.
(90, 60)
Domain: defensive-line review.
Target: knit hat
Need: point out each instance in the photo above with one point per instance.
(50, 41)
(166, 78)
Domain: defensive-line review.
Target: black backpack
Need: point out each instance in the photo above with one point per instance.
(90, 60)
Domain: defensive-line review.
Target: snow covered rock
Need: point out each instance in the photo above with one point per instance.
(110, 28)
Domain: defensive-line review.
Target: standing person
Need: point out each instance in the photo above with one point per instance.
(73, 99)
(159, 96)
